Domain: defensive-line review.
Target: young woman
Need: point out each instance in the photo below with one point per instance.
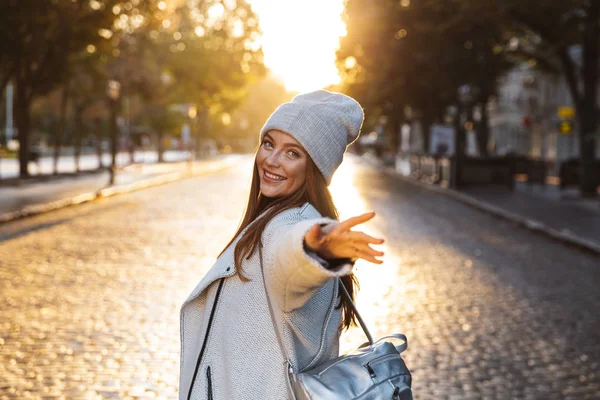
(229, 348)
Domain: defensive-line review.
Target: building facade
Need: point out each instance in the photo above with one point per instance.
(528, 116)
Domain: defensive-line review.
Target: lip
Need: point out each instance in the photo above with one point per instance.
(270, 180)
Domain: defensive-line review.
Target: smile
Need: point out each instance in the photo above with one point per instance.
(273, 176)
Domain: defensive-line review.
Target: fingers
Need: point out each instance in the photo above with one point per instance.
(364, 238)
(367, 253)
(351, 222)
(371, 259)
(365, 249)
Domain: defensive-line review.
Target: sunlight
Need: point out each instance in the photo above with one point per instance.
(299, 40)
(375, 280)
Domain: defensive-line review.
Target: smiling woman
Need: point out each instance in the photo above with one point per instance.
(282, 271)
(299, 40)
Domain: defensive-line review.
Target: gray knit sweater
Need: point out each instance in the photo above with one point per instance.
(241, 358)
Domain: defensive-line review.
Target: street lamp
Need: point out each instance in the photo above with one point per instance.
(112, 93)
(192, 114)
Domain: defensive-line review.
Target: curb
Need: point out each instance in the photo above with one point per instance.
(37, 209)
(530, 224)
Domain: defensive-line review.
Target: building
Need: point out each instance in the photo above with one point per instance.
(524, 118)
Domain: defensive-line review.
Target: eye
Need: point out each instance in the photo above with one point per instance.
(267, 143)
(294, 153)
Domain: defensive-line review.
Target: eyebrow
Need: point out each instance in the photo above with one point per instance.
(286, 144)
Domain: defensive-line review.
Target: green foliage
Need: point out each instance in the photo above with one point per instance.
(418, 53)
(204, 52)
(401, 55)
(213, 55)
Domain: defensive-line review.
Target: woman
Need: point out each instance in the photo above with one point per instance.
(229, 348)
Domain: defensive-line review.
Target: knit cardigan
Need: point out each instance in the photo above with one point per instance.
(228, 322)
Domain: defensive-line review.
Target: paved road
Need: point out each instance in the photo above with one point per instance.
(91, 293)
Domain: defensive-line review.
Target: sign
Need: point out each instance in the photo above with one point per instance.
(441, 140)
(566, 112)
(565, 127)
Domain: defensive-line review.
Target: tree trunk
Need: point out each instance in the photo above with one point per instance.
(22, 112)
(62, 123)
(99, 136)
(159, 147)
(570, 76)
(587, 114)
(202, 127)
(77, 134)
(394, 122)
(114, 146)
(459, 146)
(483, 130)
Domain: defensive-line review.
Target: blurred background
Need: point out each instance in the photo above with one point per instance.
(478, 151)
(86, 79)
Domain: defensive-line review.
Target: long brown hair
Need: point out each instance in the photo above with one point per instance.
(315, 192)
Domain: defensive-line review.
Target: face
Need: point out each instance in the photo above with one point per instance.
(281, 163)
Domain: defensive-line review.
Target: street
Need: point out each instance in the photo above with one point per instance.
(91, 293)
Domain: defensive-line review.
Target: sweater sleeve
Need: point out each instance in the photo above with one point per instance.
(292, 274)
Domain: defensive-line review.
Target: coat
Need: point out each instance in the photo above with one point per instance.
(226, 324)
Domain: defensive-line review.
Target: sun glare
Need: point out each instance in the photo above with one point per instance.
(299, 40)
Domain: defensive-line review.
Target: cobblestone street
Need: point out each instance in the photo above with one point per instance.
(91, 293)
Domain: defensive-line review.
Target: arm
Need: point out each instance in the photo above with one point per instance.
(292, 273)
(302, 255)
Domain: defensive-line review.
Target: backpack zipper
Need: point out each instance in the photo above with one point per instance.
(210, 320)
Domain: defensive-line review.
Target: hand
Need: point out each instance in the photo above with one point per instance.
(339, 241)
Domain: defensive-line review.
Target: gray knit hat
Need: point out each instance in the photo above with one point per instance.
(324, 123)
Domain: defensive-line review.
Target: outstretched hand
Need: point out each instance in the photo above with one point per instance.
(340, 241)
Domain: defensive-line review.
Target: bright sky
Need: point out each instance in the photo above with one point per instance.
(299, 40)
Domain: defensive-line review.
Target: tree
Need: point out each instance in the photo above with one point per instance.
(211, 55)
(209, 48)
(400, 54)
(162, 120)
(39, 39)
(87, 88)
(216, 54)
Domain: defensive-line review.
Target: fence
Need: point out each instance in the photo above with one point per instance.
(443, 170)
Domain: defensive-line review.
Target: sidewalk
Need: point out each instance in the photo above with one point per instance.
(565, 212)
(563, 215)
(9, 167)
(35, 197)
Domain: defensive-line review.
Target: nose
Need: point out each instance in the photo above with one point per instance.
(273, 159)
